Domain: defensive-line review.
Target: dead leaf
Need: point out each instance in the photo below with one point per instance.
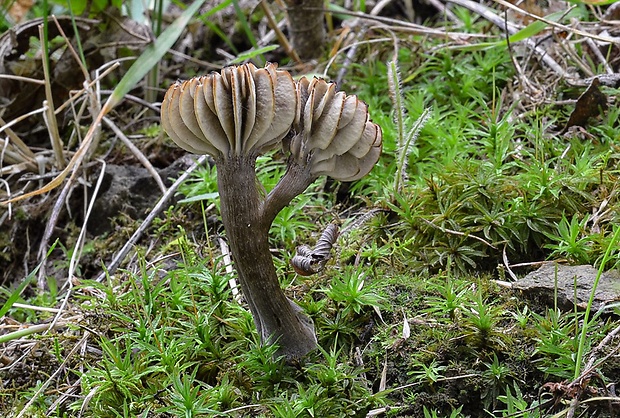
(590, 104)
(406, 329)
(383, 382)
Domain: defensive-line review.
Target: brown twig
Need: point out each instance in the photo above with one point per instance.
(279, 35)
(137, 153)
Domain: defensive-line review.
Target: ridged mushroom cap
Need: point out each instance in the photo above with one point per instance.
(335, 134)
(242, 110)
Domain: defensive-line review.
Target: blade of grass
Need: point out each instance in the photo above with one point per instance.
(76, 35)
(151, 56)
(248, 55)
(613, 244)
(18, 291)
(555, 24)
(33, 329)
(48, 116)
(527, 32)
(245, 25)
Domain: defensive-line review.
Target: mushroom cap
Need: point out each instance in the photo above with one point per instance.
(240, 111)
(335, 135)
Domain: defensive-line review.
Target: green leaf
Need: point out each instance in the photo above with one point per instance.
(18, 291)
(248, 55)
(527, 32)
(198, 198)
(152, 55)
(538, 26)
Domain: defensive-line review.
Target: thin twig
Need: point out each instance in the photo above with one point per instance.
(290, 51)
(137, 100)
(353, 45)
(511, 29)
(24, 79)
(524, 81)
(556, 24)
(49, 229)
(507, 264)
(77, 251)
(72, 49)
(74, 94)
(443, 379)
(605, 341)
(399, 25)
(21, 118)
(35, 308)
(597, 53)
(349, 58)
(239, 408)
(9, 212)
(444, 10)
(45, 384)
(65, 395)
(139, 155)
(229, 269)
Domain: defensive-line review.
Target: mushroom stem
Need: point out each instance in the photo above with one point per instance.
(294, 182)
(277, 318)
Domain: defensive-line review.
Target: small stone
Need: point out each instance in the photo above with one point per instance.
(574, 286)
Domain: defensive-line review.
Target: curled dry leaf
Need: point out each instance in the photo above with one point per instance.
(309, 261)
(590, 104)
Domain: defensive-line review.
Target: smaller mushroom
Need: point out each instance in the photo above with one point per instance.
(332, 135)
(338, 139)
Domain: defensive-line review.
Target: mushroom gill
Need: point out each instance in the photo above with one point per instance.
(241, 111)
(335, 135)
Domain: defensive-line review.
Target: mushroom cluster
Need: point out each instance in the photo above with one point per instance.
(237, 115)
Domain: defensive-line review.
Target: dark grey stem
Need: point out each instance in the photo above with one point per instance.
(294, 182)
(247, 229)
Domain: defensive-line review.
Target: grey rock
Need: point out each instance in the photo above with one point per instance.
(574, 286)
(130, 190)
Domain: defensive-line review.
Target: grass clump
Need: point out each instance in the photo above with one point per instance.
(165, 353)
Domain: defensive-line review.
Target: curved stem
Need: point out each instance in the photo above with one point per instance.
(247, 228)
(294, 182)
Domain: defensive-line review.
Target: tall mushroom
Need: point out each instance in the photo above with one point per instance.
(235, 116)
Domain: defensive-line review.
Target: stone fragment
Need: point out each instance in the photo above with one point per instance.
(574, 286)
